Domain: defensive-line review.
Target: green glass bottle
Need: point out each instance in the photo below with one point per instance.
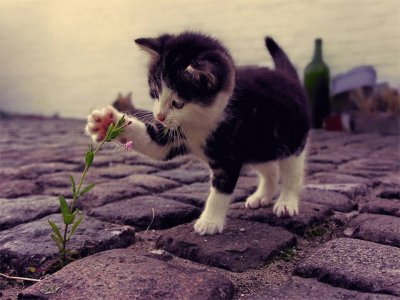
(316, 83)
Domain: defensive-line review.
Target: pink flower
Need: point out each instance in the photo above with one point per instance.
(128, 146)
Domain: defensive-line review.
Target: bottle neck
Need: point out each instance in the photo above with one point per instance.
(318, 50)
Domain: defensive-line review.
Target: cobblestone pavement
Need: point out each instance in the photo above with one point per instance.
(137, 241)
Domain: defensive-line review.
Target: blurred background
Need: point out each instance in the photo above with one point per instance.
(69, 57)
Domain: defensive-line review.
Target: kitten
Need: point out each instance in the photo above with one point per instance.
(124, 104)
(228, 116)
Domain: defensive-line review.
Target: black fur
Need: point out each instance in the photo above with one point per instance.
(267, 114)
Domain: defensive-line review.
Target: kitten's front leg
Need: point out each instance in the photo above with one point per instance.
(212, 220)
(137, 131)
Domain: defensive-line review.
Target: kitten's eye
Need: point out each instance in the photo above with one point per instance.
(177, 105)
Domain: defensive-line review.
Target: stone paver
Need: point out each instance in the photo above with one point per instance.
(390, 193)
(61, 179)
(110, 192)
(311, 289)
(333, 200)
(185, 176)
(33, 247)
(382, 206)
(353, 184)
(118, 171)
(310, 215)
(26, 209)
(349, 189)
(151, 183)
(376, 228)
(355, 264)
(243, 245)
(19, 188)
(329, 177)
(147, 212)
(121, 274)
(196, 198)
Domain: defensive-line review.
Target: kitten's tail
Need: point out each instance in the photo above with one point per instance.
(281, 61)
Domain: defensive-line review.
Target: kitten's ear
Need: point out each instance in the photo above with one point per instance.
(150, 45)
(202, 72)
(129, 96)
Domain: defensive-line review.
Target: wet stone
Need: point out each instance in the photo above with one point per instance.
(185, 176)
(147, 212)
(333, 200)
(122, 274)
(349, 189)
(310, 215)
(19, 188)
(23, 210)
(354, 264)
(108, 192)
(243, 245)
(382, 206)
(34, 247)
(377, 228)
(311, 289)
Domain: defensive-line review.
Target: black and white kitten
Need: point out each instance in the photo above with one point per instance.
(226, 115)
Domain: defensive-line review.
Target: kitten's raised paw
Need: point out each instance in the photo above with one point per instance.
(98, 122)
(207, 227)
(289, 207)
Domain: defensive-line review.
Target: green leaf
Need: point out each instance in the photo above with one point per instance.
(89, 157)
(63, 206)
(55, 229)
(70, 219)
(72, 252)
(67, 216)
(73, 184)
(74, 227)
(121, 121)
(109, 130)
(57, 241)
(87, 189)
(115, 133)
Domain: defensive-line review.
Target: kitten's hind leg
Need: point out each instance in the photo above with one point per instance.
(292, 176)
(268, 174)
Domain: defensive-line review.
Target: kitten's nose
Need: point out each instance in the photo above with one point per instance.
(160, 117)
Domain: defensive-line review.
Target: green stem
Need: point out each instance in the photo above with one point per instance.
(76, 194)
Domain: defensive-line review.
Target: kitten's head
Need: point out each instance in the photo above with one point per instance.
(191, 77)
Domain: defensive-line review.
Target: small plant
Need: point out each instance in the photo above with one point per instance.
(71, 215)
(287, 254)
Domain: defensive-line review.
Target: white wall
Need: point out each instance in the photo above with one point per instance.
(76, 55)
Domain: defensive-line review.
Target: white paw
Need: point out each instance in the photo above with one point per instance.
(99, 120)
(288, 206)
(204, 226)
(256, 200)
